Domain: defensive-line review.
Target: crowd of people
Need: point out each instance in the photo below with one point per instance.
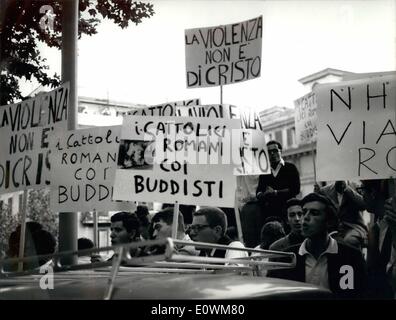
(335, 247)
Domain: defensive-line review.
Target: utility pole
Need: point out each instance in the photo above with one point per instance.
(68, 220)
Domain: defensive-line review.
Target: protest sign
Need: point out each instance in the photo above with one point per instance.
(249, 118)
(224, 54)
(25, 128)
(356, 129)
(254, 154)
(85, 162)
(306, 119)
(253, 149)
(167, 109)
(193, 162)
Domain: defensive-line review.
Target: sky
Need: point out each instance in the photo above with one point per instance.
(145, 64)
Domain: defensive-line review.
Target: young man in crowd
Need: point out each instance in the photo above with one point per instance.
(321, 260)
(294, 219)
(280, 185)
(125, 229)
(162, 228)
(209, 225)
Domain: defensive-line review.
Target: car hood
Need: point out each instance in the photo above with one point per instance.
(153, 285)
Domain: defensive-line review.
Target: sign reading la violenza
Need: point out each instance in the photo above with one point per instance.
(223, 54)
(25, 128)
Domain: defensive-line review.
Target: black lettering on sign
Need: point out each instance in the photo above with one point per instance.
(27, 162)
(383, 133)
(362, 162)
(21, 142)
(103, 196)
(343, 134)
(383, 95)
(393, 158)
(87, 188)
(62, 195)
(347, 103)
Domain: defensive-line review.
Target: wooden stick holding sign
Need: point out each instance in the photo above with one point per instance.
(22, 235)
(238, 220)
(313, 160)
(175, 220)
(95, 227)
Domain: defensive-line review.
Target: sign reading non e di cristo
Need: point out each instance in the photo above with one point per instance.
(224, 54)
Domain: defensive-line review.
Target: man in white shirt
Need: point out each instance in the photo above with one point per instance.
(321, 260)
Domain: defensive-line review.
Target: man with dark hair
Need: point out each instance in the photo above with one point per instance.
(280, 185)
(84, 244)
(210, 225)
(321, 260)
(125, 229)
(294, 219)
(270, 232)
(162, 223)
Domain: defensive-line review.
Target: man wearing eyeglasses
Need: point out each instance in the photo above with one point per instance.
(209, 225)
(282, 184)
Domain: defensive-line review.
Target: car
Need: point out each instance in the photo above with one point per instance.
(169, 276)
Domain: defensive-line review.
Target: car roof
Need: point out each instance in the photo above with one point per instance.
(165, 276)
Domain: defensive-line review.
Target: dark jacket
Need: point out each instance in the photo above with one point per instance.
(346, 256)
(287, 178)
(349, 210)
(218, 253)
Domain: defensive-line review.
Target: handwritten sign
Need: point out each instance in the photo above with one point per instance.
(25, 128)
(253, 150)
(85, 162)
(223, 54)
(306, 119)
(357, 129)
(167, 109)
(193, 162)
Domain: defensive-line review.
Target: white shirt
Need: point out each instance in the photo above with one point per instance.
(231, 254)
(278, 167)
(339, 198)
(316, 271)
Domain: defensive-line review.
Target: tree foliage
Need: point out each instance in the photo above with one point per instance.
(8, 223)
(37, 209)
(22, 25)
